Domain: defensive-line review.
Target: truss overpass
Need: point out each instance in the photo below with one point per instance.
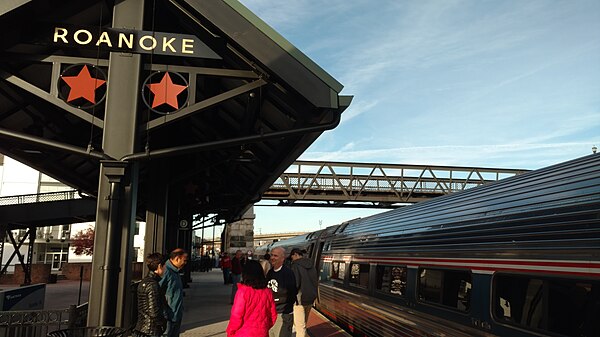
(345, 184)
(305, 183)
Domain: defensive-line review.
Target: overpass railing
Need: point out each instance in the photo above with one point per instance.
(39, 197)
(385, 184)
(341, 182)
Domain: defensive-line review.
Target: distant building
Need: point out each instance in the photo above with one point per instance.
(263, 239)
(52, 243)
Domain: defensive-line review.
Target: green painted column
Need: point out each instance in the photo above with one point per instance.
(117, 190)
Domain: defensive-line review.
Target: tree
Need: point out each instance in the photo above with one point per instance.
(83, 242)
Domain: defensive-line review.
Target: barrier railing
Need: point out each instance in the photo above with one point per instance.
(38, 323)
(39, 197)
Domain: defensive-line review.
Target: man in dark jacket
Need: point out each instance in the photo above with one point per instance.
(306, 285)
(283, 285)
(151, 319)
(173, 287)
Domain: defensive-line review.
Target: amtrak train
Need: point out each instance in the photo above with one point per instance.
(518, 257)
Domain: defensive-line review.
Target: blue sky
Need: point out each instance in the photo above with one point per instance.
(511, 84)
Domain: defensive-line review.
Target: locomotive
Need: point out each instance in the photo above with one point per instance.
(517, 257)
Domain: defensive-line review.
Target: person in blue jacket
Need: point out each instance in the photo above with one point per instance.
(173, 287)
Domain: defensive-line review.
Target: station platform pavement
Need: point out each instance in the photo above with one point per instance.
(206, 306)
(207, 309)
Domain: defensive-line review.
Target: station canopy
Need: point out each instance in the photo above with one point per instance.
(253, 101)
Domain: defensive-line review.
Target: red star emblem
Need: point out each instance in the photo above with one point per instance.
(83, 85)
(166, 91)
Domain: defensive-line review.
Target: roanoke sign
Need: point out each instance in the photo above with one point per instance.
(132, 41)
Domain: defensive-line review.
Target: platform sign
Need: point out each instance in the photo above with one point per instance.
(23, 298)
(184, 225)
(131, 41)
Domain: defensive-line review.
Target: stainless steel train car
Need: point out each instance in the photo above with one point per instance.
(519, 257)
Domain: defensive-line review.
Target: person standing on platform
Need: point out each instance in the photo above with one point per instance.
(283, 285)
(236, 273)
(151, 321)
(173, 286)
(306, 285)
(226, 268)
(264, 262)
(253, 312)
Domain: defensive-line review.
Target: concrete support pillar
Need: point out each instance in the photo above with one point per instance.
(240, 234)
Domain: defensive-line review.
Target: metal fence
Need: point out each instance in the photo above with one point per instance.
(38, 323)
(40, 197)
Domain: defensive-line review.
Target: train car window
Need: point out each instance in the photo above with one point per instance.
(391, 280)
(326, 272)
(338, 270)
(359, 274)
(310, 250)
(564, 306)
(450, 288)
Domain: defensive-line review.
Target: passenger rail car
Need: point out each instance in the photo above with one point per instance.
(519, 257)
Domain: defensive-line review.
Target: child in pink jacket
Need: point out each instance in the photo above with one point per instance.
(253, 312)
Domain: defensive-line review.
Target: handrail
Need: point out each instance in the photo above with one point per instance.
(39, 197)
(34, 323)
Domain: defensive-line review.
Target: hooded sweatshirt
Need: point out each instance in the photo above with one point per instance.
(306, 281)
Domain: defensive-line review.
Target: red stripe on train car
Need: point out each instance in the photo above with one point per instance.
(329, 314)
(539, 271)
(498, 265)
(539, 263)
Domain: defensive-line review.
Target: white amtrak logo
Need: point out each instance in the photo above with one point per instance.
(273, 285)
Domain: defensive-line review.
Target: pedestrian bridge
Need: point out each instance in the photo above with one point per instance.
(304, 183)
(329, 184)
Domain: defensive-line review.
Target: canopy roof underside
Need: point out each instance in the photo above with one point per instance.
(251, 113)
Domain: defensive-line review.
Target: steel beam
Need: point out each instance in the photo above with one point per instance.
(75, 60)
(47, 143)
(111, 265)
(233, 73)
(9, 5)
(16, 252)
(156, 210)
(380, 183)
(203, 105)
(48, 97)
(27, 268)
(225, 143)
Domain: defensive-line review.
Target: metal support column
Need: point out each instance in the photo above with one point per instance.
(173, 219)
(184, 238)
(156, 211)
(114, 171)
(111, 265)
(27, 268)
(128, 219)
(3, 229)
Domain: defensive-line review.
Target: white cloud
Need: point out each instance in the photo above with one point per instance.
(452, 72)
(517, 155)
(357, 108)
(510, 84)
